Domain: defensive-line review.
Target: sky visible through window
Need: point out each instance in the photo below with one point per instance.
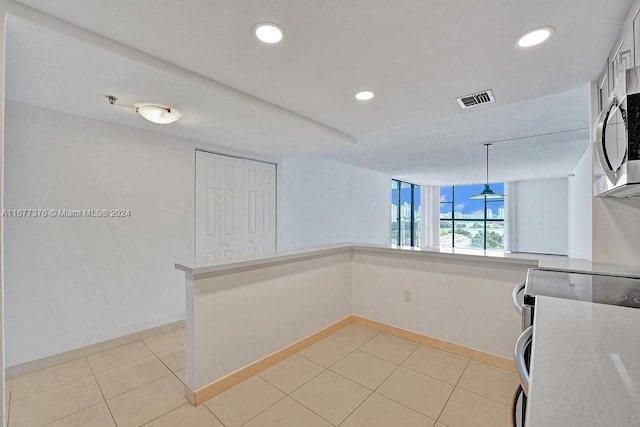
(464, 222)
(469, 208)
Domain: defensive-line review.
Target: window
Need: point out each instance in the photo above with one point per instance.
(406, 219)
(471, 223)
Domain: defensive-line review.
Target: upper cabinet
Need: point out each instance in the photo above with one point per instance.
(625, 54)
(621, 59)
(603, 87)
(635, 30)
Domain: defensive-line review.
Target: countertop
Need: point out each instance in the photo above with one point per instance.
(202, 267)
(197, 267)
(585, 365)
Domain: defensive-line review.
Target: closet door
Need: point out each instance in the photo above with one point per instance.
(261, 206)
(235, 206)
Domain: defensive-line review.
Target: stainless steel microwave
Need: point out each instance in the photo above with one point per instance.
(617, 141)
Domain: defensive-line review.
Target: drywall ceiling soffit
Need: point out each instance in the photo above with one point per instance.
(416, 55)
(52, 70)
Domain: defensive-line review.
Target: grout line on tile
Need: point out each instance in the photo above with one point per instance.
(147, 345)
(214, 415)
(121, 364)
(309, 380)
(397, 367)
(165, 365)
(135, 388)
(374, 390)
(8, 404)
(79, 410)
(103, 399)
(356, 408)
(352, 350)
(376, 334)
(312, 411)
(75, 412)
(159, 416)
(436, 378)
(265, 409)
(452, 391)
(482, 395)
(419, 373)
(357, 347)
(51, 388)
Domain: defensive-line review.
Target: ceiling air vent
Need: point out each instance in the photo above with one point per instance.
(476, 99)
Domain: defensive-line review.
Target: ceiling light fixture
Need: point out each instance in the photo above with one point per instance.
(535, 37)
(365, 95)
(268, 32)
(158, 114)
(487, 192)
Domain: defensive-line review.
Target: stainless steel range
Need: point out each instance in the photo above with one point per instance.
(582, 286)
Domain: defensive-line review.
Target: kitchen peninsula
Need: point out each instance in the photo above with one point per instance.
(247, 313)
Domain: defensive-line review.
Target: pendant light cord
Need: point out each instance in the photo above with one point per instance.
(487, 145)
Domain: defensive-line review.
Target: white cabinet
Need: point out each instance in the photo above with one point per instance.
(603, 87)
(623, 54)
(235, 206)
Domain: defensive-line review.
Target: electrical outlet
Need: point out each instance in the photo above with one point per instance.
(406, 296)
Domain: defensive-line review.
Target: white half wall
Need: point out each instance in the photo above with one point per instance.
(461, 302)
(73, 282)
(323, 202)
(579, 209)
(539, 222)
(237, 318)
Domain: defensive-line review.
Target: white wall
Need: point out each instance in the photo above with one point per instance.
(323, 202)
(579, 209)
(539, 222)
(72, 282)
(462, 302)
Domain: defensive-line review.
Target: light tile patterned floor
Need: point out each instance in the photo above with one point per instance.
(356, 377)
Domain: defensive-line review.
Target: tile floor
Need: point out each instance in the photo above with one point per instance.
(356, 377)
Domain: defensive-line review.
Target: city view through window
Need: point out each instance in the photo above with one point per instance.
(406, 219)
(471, 223)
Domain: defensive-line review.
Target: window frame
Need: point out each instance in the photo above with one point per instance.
(483, 220)
(398, 215)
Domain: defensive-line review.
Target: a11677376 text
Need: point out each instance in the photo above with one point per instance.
(66, 213)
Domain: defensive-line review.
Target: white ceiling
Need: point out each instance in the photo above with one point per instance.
(417, 55)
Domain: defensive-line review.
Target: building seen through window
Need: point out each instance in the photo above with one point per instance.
(471, 223)
(406, 219)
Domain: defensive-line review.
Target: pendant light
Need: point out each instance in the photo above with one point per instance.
(487, 193)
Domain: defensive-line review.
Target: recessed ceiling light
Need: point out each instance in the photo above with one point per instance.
(535, 37)
(158, 114)
(268, 32)
(365, 95)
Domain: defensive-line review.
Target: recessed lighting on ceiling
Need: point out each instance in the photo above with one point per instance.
(365, 95)
(535, 37)
(268, 32)
(158, 114)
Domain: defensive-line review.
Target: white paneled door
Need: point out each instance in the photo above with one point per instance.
(235, 206)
